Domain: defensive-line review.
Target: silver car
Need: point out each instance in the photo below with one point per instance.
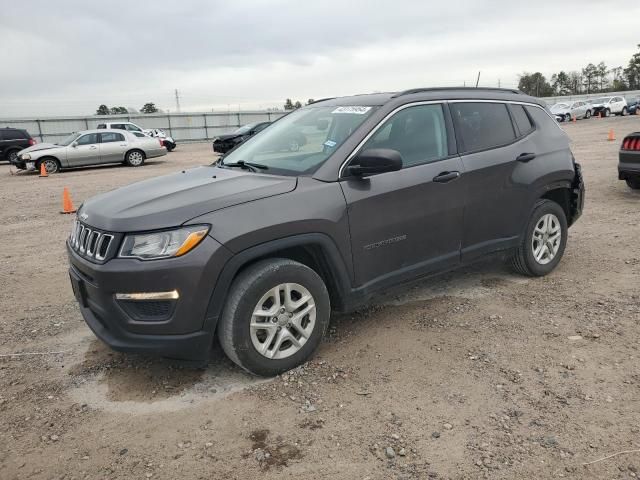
(565, 111)
(91, 147)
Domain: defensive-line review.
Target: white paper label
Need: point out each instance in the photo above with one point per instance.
(353, 110)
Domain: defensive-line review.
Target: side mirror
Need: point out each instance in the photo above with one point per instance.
(374, 161)
(74, 144)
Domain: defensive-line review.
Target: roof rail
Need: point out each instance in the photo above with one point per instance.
(444, 89)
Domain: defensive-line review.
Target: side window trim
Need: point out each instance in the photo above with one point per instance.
(520, 135)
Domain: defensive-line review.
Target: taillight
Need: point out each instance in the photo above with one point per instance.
(631, 143)
(161, 142)
(32, 142)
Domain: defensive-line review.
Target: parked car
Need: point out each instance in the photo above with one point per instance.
(629, 160)
(610, 105)
(565, 111)
(12, 140)
(260, 247)
(224, 143)
(168, 141)
(632, 104)
(91, 147)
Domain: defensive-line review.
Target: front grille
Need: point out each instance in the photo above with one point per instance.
(150, 311)
(90, 243)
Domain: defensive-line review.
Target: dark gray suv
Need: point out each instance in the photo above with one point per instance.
(261, 246)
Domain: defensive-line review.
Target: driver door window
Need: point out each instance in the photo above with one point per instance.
(419, 133)
(88, 139)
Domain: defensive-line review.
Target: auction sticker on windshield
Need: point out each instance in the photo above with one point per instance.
(356, 110)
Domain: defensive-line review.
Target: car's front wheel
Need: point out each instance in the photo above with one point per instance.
(633, 183)
(588, 114)
(134, 158)
(567, 117)
(12, 156)
(275, 316)
(51, 165)
(544, 240)
(607, 112)
(624, 112)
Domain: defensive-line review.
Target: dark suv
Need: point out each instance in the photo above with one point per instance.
(261, 246)
(12, 140)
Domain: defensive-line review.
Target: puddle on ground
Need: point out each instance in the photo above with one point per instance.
(136, 384)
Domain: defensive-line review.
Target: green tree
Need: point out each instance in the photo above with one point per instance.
(149, 108)
(590, 78)
(602, 73)
(632, 72)
(102, 110)
(535, 84)
(619, 83)
(561, 83)
(310, 101)
(575, 82)
(288, 104)
(297, 105)
(118, 110)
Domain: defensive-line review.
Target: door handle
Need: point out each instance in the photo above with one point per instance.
(445, 177)
(526, 157)
(92, 147)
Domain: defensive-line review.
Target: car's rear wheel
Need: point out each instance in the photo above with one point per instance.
(544, 240)
(275, 316)
(51, 165)
(633, 183)
(12, 156)
(134, 158)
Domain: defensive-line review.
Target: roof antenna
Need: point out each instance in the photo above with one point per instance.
(478, 80)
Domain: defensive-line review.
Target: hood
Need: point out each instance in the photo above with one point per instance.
(39, 146)
(559, 109)
(229, 136)
(172, 200)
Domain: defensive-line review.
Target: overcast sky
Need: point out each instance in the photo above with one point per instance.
(67, 57)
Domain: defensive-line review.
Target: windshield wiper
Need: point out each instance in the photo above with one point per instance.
(253, 167)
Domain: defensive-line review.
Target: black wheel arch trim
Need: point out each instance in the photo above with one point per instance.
(337, 270)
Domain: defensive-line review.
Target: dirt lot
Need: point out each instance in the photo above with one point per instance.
(477, 374)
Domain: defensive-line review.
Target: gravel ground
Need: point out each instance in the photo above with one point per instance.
(478, 373)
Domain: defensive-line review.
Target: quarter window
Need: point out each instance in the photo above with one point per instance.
(132, 128)
(523, 122)
(419, 133)
(118, 126)
(483, 125)
(112, 137)
(88, 139)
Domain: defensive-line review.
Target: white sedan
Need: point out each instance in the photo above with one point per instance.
(91, 147)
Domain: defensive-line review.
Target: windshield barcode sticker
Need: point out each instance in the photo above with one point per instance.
(355, 110)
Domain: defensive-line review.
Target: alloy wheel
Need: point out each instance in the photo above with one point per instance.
(135, 158)
(546, 238)
(282, 321)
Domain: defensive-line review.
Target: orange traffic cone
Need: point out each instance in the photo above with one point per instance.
(67, 204)
(599, 114)
(43, 171)
(574, 119)
(611, 136)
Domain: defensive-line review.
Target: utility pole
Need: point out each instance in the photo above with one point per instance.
(478, 80)
(498, 83)
(177, 101)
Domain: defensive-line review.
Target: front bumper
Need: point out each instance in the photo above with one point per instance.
(628, 165)
(183, 330)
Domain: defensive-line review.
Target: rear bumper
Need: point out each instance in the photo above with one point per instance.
(182, 329)
(628, 165)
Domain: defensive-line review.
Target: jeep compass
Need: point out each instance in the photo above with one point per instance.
(260, 247)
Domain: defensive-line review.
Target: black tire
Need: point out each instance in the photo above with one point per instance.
(245, 293)
(12, 156)
(588, 114)
(523, 259)
(567, 117)
(169, 147)
(135, 158)
(625, 111)
(607, 112)
(633, 183)
(51, 165)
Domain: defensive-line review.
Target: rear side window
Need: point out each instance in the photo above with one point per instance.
(483, 125)
(418, 133)
(101, 126)
(118, 126)
(139, 134)
(542, 119)
(132, 128)
(109, 137)
(14, 135)
(523, 122)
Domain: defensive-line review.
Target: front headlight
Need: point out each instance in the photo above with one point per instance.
(165, 244)
(25, 156)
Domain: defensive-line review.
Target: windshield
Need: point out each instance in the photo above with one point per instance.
(602, 100)
(301, 141)
(69, 140)
(245, 128)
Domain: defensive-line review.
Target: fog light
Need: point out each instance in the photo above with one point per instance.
(172, 295)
